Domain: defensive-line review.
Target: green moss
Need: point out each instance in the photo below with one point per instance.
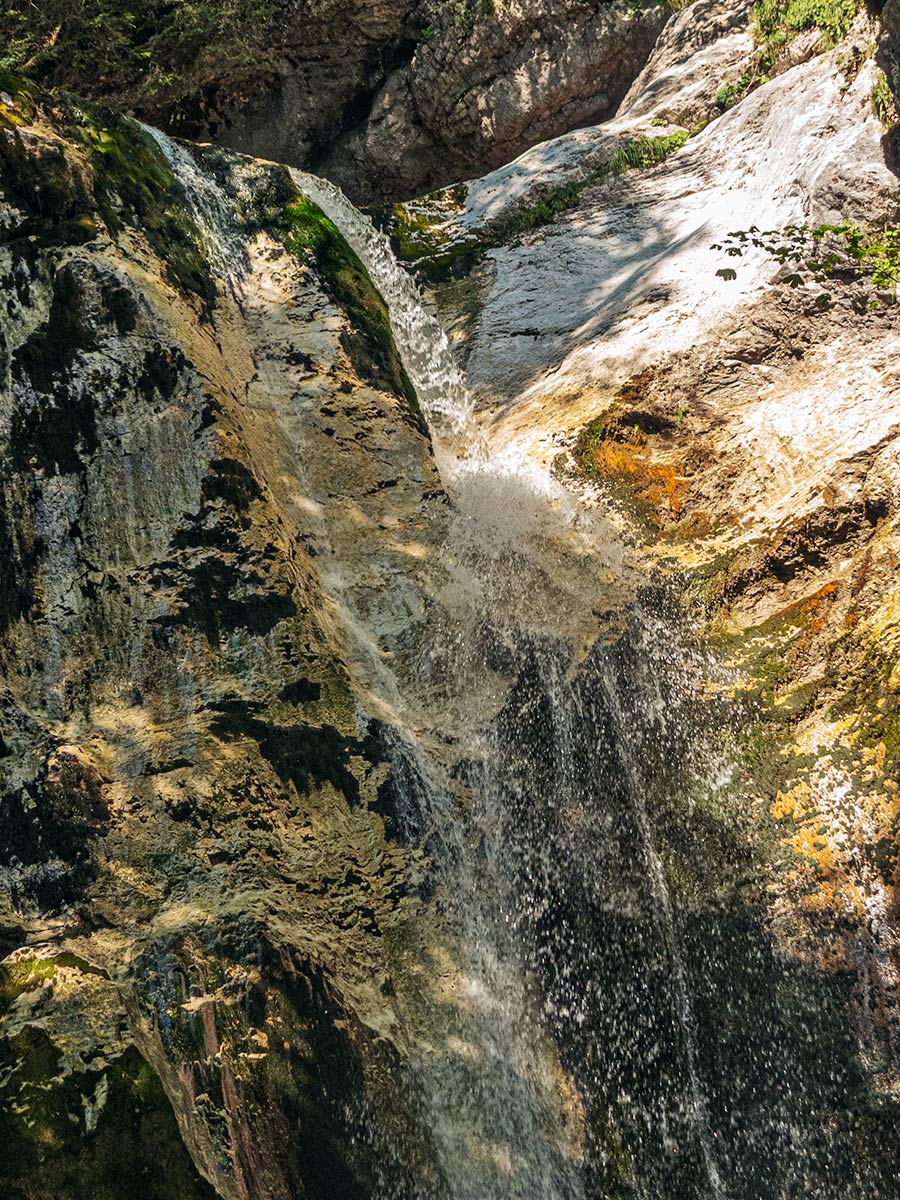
(415, 237)
(44, 183)
(22, 93)
(309, 234)
(134, 184)
(26, 974)
(886, 730)
(17, 978)
(122, 180)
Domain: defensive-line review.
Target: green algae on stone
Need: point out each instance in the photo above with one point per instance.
(105, 1133)
(134, 184)
(117, 175)
(308, 233)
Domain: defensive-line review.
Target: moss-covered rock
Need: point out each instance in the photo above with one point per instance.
(370, 344)
(96, 170)
(106, 1133)
(189, 793)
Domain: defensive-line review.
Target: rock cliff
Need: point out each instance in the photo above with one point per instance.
(387, 98)
(503, 804)
(198, 880)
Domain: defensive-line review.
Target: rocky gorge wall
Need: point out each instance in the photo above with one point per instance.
(388, 99)
(743, 422)
(197, 875)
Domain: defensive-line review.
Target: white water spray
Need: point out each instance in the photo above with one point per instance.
(524, 566)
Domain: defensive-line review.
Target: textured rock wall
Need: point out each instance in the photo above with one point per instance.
(746, 434)
(389, 98)
(472, 99)
(196, 883)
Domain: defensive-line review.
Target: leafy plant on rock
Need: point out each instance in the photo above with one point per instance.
(824, 256)
(777, 21)
(883, 102)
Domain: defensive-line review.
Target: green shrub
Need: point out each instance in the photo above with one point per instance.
(883, 102)
(639, 154)
(779, 20)
(153, 50)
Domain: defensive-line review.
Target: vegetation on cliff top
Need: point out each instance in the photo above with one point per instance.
(775, 24)
(106, 169)
(152, 51)
(778, 20)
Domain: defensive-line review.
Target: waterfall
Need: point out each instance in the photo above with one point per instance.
(213, 214)
(422, 343)
(502, 505)
(525, 813)
(637, 786)
(493, 1085)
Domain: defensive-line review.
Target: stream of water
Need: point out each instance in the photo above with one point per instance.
(560, 1054)
(515, 529)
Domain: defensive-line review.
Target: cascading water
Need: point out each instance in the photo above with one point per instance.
(585, 1031)
(511, 516)
(212, 213)
(423, 344)
(493, 1084)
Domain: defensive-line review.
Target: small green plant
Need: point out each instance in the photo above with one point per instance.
(883, 102)
(463, 15)
(825, 256)
(437, 257)
(777, 21)
(638, 154)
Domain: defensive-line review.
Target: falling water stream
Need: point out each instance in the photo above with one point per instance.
(567, 977)
(509, 509)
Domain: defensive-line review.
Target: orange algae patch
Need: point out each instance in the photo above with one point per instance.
(661, 485)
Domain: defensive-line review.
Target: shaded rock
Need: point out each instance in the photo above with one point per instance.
(475, 97)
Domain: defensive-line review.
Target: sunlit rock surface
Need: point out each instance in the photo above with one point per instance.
(193, 800)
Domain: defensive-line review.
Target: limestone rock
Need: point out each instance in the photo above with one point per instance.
(206, 482)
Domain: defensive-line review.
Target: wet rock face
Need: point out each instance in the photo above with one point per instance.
(484, 88)
(745, 431)
(196, 886)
